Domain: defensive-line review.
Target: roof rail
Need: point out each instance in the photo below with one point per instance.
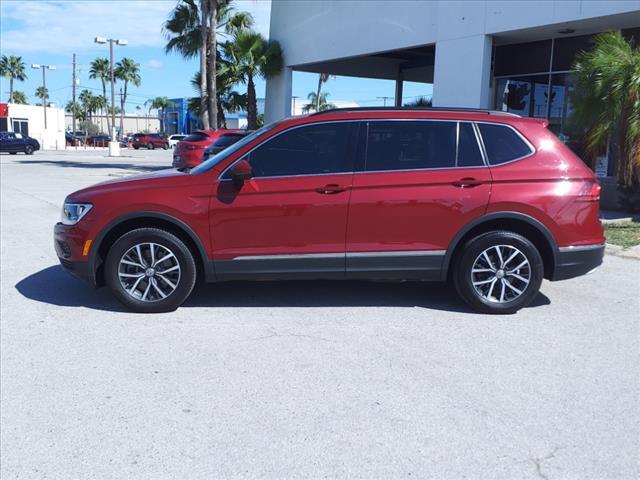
(428, 109)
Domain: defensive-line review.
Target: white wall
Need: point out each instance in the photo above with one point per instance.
(313, 31)
(53, 136)
(132, 123)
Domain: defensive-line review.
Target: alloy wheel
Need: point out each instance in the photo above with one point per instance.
(149, 272)
(501, 274)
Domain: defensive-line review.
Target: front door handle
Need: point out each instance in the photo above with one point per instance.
(331, 189)
(467, 182)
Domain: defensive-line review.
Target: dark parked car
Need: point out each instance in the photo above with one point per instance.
(98, 140)
(17, 142)
(223, 142)
(73, 139)
(491, 201)
(149, 140)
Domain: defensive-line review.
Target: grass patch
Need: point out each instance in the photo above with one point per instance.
(625, 234)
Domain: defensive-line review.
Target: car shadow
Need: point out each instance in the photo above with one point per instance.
(55, 286)
(94, 165)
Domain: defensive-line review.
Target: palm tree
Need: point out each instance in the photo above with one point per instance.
(322, 78)
(13, 68)
(42, 93)
(101, 69)
(192, 30)
(606, 100)
(86, 101)
(129, 72)
(160, 103)
(20, 98)
(419, 102)
(228, 99)
(70, 106)
(317, 103)
(251, 56)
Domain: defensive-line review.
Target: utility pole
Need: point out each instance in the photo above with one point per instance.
(44, 87)
(384, 99)
(73, 101)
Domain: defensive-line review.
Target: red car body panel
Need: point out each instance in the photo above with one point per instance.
(143, 140)
(369, 212)
(190, 153)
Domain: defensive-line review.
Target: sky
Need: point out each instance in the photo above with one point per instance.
(49, 32)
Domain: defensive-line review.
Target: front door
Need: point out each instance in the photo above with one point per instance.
(290, 219)
(421, 182)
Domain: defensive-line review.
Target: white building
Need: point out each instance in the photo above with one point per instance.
(132, 123)
(30, 120)
(508, 55)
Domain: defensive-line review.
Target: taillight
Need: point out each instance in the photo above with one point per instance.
(590, 192)
(189, 146)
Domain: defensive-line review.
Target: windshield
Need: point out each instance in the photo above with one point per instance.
(213, 161)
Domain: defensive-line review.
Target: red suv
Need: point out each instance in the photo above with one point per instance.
(190, 151)
(149, 140)
(491, 201)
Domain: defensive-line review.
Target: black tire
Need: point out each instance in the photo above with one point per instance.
(13, 153)
(28, 149)
(136, 147)
(165, 146)
(471, 251)
(150, 146)
(183, 255)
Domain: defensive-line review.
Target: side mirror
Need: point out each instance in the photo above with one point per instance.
(241, 171)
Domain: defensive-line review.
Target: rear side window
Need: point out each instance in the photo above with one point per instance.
(309, 150)
(407, 145)
(469, 154)
(502, 143)
(195, 137)
(227, 140)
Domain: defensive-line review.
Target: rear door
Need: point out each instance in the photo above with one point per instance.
(290, 219)
(421, 182)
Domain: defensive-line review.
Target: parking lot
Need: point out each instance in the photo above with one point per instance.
(301, 379)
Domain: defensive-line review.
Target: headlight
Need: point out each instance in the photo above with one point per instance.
(72, 213)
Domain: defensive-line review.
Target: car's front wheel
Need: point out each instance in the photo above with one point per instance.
(498, 272)
(165, 146)
(150, 270)
(28, 149)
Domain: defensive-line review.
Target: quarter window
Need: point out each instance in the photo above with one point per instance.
(309, 150)
(502, 144)
(407, 145)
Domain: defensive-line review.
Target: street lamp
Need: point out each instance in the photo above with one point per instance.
(114, 146)
(37, 66)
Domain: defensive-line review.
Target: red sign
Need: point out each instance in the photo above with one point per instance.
(4, 110)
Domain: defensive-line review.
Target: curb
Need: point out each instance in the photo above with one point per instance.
(632, 252)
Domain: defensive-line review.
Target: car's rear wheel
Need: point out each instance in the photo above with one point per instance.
(28, 149)
(136, 147)
(150, 270)
(165, 146)
(498, 272)
(150, 146)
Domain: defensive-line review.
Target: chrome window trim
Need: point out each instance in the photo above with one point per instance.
(369, 120)
(522, 137)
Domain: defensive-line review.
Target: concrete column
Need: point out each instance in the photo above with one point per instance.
(278, 97)
(463, 72)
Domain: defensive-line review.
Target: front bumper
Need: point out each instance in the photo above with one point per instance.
(68, 242)
(575, 261)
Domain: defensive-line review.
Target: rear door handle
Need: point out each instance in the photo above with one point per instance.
(467, 182)
(331, 189)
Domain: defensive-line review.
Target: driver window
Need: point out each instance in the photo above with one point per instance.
(18, 135)
(309, 150)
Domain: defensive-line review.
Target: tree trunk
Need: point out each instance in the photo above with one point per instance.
(212, 68)
(252, 108)
(104, 94)
(123, 99)
(222, 119)
(204, 110)
(318, 92)
(10, 89)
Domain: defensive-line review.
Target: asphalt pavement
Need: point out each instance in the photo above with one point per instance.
(301, 379)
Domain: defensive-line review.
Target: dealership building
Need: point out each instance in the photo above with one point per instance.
(505, 55)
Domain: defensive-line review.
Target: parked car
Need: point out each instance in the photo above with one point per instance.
(98, 140)
(174, 139)
(223, 142)
(149, 140)
(73, 140)
(18, 142)
(190, 151)
(491, 201)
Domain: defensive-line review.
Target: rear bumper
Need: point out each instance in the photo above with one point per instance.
(575, 261)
